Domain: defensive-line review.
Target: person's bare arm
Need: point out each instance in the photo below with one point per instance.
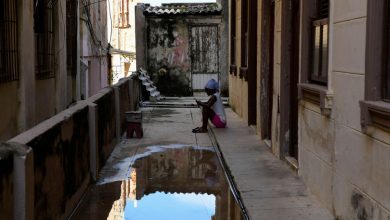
(209, 103)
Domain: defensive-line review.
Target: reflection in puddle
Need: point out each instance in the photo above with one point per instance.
(176, 183)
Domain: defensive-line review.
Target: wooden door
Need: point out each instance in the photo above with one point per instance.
(267, 68)
(204, 49)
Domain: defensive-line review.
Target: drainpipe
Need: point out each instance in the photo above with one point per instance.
(78, 77)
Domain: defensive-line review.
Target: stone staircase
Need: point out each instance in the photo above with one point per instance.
(154, 94)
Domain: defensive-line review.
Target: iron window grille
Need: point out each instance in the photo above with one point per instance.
(319, 44)
(244, 34)
(8, 42)
(244, 40)
(71, 37)
(233, 69)
(44, 40)
(123, 17)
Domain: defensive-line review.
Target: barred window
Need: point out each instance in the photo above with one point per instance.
(71, 37)
(44, 40)
(244, 33)
(123, 17)
(233, 34)
(8, 42)
(319, 64)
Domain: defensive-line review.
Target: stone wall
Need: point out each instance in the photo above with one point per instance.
(68, 149)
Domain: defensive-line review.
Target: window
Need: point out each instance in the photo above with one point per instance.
(8, 42)
(123, 17)
(44, 40)
(244, 38)
(319, 41)
(71, 37)
(375, 109)
(233, 67)
(314, 55)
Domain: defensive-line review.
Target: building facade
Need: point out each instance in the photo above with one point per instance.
(44, 45)
(121, 37)
(181, 46)
(312, 77)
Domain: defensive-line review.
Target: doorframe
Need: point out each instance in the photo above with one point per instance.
(287, 124)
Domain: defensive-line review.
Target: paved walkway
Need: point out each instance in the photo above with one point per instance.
(269, 188)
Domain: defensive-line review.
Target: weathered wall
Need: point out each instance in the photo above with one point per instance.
(276, 81)
(168, 59)
(61, 172)
(6, 184)
(345, 167)
(93, 46)
(122, 39)
(128, 100)
(28, 101)
(238, 87)
(9, 110)
(45, 101)
(224, 48)
(168, 52)
(50, 184)
(105, 100)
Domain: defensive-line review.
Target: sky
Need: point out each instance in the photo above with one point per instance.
(158, 2)
(161, 206)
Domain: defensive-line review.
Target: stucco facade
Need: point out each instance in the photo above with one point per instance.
(121, 37)
(45, 82)
(343, 161)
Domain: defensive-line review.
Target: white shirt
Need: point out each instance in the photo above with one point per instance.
(218, 107)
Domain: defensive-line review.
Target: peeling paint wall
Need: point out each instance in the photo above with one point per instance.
(61, 169)
(168, 59)
(168, 48)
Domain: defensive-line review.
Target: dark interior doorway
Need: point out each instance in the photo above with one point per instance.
(252, 63)
(289, 79)
(267, 68)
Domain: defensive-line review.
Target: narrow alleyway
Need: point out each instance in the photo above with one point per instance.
(269, 189)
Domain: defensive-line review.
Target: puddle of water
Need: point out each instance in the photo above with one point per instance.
(165, 183)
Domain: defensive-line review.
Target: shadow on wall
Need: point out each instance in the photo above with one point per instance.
(171, 84)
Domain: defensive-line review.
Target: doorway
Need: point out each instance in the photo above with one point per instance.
(252, 63)
(204, 46)
(289, 80)
(267, 68)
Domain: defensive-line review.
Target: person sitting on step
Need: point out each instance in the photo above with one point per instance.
(213, 109)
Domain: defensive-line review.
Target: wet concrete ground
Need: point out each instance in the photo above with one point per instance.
(268, 187)
(170, 173)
